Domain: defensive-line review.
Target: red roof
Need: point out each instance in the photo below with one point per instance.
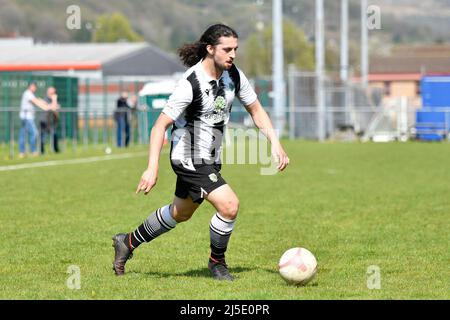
(90, 65)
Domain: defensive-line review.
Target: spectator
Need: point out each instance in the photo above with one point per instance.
(27, 113)
(49, 121)
(122, 116)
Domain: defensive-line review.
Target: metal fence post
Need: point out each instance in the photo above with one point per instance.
(62, 116)
(86, 114)
(105, 110)
(73, 117)
(291, 90)
(11, 134)
(95, 128)
(6, 102)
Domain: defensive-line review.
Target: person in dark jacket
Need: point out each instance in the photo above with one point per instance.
(48, 122)
(122, 116)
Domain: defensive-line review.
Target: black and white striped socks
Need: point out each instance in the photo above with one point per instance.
(220, 231)
(159, 222)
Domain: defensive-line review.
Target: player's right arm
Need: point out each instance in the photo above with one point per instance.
(150, 175)
(178, 102)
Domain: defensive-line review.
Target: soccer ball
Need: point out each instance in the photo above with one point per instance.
(297, 266)
(108, 150)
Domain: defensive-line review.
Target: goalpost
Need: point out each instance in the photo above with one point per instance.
(390, 123)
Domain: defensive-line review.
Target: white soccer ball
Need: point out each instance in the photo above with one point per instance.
(108, 150)
(297, 266)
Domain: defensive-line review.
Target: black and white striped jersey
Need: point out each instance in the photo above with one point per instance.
(200, 106)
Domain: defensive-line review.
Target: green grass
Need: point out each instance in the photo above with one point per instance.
(352, 205)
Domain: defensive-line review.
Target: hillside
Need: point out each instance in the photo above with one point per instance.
(172, 22)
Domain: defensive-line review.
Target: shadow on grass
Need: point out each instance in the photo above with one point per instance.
(195, 273)
(313, 282)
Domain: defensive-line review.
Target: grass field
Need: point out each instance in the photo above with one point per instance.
(353, 205)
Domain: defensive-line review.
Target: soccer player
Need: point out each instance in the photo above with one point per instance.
(198, 110)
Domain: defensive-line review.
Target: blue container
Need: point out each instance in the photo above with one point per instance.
(435, 91)
(432, 125)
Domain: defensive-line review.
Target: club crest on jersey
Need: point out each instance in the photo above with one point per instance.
(219, 104)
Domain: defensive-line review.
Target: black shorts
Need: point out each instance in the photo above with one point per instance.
(196, 180)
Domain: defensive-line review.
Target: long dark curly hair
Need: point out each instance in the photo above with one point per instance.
(191, 53)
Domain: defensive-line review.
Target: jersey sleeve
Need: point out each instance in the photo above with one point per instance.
(179, 100)
(246, 93)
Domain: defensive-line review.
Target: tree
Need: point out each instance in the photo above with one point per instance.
(84, 34)
(113, 28)
(297, 50)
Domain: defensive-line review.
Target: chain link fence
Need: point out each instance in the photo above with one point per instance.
(86, 117)
(347, 107)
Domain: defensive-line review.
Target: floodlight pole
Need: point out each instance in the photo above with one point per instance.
(344, 74)
(364, 45)
(320, 63)
(344, 41)
(278, 67)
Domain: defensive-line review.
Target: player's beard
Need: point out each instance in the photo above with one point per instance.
(223, 66)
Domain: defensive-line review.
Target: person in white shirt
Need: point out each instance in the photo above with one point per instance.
(27, 116)
(198, 110)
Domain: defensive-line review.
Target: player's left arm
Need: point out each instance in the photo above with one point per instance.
(263, 122)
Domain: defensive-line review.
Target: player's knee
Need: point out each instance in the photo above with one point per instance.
(231, 209)
(182, 215)
(182, 218)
